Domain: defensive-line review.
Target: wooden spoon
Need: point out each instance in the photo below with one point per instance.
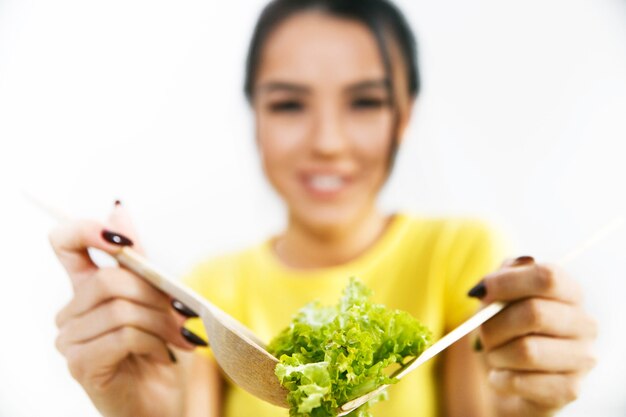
(240, 354)
(475, 321)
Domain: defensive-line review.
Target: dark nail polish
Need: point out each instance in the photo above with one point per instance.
(116, 238)
(523, 260)
(479, 291)
(183, 309)
(193, 338)
(118, 203)
(478, 345)
(171, 355)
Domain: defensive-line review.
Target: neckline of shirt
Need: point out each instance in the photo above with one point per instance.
(393, 231)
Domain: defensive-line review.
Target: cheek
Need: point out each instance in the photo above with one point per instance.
(281, 133)
(371, 137)
(281, 141)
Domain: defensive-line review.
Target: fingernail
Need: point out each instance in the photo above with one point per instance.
(193, 338)
(478, 345)
(116, 238)
(523, 260)
(183, 309)
(479, 291)
(171, 355)
(118, 203)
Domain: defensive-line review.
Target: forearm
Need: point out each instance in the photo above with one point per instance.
(203, 387)
(169, 404)
(464, 376)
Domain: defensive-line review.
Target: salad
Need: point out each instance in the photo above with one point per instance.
(329, 355)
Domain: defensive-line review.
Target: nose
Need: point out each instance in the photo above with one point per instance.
(328, 138)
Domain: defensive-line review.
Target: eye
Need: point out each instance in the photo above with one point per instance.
(286, 106)
(366, 103)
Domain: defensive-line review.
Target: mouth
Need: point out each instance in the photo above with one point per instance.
(325, 185)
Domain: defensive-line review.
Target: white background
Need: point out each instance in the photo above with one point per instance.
(522, 121)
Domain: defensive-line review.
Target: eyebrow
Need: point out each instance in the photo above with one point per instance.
(283, 86)
(367, 84)
(303, 89)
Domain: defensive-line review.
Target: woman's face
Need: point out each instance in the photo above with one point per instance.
(323, 118)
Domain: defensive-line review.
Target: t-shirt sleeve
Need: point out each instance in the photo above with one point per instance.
(478, 249)
(214, 280)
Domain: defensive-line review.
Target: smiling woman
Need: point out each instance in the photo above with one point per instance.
(331, 84)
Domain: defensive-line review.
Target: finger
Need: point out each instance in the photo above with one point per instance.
(532, 280)
(70, 241)
(551, 391)
(110, 283)
(119, 313)
(120, 221)
(99, 357)
(537, 316)
(542, 354)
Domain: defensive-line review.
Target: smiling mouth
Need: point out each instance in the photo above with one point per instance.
(325, 184)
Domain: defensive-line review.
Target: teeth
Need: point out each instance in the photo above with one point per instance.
(326, 182)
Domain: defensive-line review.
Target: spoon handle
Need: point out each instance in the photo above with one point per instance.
(132, 260)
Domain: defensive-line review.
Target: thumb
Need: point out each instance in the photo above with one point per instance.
(119, 221)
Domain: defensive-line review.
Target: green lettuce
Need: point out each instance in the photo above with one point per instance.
(332, 354)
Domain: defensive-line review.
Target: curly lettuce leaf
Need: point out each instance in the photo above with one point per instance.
(331, 354)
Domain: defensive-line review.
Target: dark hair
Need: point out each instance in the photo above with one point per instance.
(380, 16)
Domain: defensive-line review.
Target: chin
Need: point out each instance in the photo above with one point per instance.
(328, 219)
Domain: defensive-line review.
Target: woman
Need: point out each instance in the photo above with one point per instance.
(331, 85)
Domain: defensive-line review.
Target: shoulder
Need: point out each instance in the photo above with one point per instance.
(451, 230)
(456, 241)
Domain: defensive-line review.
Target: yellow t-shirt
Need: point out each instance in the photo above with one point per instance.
(422, 265)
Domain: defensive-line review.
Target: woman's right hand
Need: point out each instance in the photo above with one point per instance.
(115, 331)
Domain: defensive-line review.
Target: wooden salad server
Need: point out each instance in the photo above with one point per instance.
(240, 354)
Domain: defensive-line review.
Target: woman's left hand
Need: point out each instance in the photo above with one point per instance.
(539, 347)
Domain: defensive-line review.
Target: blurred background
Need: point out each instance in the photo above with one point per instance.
(522, 121)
